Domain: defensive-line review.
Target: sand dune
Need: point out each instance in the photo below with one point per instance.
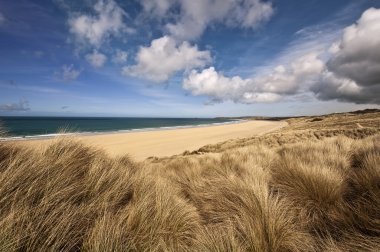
(310, 186)
(160, 143)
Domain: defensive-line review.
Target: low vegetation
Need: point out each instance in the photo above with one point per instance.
(356, 125)
(307, 187)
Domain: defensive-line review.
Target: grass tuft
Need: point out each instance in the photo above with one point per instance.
(311, 195)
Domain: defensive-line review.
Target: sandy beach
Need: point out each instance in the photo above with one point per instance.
(167, 142)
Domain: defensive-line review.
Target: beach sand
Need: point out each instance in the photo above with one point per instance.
(167, 142)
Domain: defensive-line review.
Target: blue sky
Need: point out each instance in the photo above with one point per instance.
(188, 58)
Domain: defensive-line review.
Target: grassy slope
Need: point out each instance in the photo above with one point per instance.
(298, 189)
(354, 125)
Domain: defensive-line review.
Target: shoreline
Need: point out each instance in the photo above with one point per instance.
(97, 133)
(166, 142)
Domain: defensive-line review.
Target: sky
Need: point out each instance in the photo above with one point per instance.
(188, 58)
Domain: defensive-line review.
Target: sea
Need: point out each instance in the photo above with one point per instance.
(45, 127)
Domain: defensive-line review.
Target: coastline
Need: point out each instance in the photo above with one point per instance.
(167, 142)
(96, 133)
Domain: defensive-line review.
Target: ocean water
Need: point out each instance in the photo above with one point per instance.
(49, 126)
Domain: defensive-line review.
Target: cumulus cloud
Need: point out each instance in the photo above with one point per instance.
(333, 87)
(120, 57)
(357, 54)
(68, 73)
(164, 57)
(268, 88)
(209, 82)
(220, 88)
(196, 15)
(94, 29)
(22, 105)
(351, 72)
(300, 73)
(96, 59)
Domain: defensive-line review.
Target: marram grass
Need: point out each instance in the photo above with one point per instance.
(321, 195)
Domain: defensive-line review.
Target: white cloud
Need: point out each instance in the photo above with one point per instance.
(209, 82)
(288, 80)
(357, 54)
(69, 73)
(164, 57)
(252, 13)
(331, 86)
(334, 87)
(351, 74)
(353, 70)
(94, 29)
(268, 88)
(220, 88)
(96, 59)
(157, 7)
(120, 57)
(196, 15)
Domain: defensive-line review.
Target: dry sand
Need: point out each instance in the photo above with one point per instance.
(160, 143)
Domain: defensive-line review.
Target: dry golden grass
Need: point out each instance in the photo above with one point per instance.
(354, 125)
(311, 195)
